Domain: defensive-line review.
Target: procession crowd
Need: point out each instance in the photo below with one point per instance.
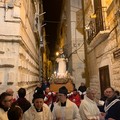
(64, 105)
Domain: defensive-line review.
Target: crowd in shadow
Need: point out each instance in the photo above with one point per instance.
(79, 104)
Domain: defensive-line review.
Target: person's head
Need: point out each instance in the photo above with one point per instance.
(62, 94)
(45, 82)
(15, 113)
(60, 50)
(110, 92)
(22, 92)
(10, 91)
(38, 100)
(75, 91)
(5, 100)
(82, 84)
(47, 89)
(90, 92)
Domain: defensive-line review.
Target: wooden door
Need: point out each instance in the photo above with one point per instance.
(104, 78)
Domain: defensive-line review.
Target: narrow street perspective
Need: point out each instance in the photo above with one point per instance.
(59, 59)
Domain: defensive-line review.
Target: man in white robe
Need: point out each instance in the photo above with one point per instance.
(39, 110)
(88, 108)
(65, 109)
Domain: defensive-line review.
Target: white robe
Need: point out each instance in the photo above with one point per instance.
(61, 66)
(32, 114)
(88, 109)
(3, 114)
(69, 112)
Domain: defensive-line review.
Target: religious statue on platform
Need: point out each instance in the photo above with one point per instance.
(61, 75)
(62, 64)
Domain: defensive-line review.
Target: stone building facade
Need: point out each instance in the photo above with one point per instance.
(72, 40)
(102, 25)
(19, 44)
(102, 28)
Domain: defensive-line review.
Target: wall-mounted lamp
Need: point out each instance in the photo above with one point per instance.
(87, 27)
(57, 53)
(93, 16)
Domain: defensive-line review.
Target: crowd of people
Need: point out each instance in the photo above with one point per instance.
(64, 105)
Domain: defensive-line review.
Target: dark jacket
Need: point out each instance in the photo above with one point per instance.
(23, 103)
(114, 110)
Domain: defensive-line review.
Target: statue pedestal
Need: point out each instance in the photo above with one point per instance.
(55, 87)
(58, 81)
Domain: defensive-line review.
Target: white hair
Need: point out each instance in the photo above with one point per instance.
(89, 90)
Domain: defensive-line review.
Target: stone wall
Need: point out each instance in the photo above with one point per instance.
(102, 54)
(75, 43)
(19, 62)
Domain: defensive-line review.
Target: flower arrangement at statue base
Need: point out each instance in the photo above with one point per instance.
(61, 79)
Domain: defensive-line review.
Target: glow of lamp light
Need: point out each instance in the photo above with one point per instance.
(57, 53)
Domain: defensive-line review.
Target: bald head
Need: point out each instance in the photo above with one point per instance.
(10, 91)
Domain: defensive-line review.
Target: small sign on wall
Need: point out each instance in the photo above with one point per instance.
(116, 53)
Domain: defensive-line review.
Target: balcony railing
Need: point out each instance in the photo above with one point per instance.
(97, 24)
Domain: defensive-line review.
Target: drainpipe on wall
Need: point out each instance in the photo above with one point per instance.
(85, 47)
(40, 54)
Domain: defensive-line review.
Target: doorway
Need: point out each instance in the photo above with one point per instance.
(104, 78)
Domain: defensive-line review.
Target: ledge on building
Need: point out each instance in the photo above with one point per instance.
(6, 65)
(9, 83)
(100, 37)
(2, 52)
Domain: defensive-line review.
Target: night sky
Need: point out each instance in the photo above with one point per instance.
(52, 20)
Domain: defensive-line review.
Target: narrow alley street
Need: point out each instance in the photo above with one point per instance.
(67, 51)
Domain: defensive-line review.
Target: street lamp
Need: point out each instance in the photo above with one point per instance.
(57, 53)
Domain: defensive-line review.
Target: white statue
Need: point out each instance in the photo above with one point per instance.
(62, 68)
